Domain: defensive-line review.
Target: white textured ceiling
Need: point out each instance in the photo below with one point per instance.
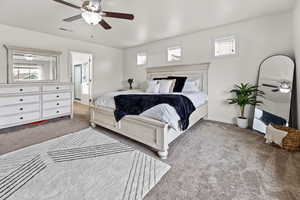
(154, 20)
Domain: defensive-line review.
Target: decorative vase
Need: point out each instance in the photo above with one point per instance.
(130, 82)
(242, 122)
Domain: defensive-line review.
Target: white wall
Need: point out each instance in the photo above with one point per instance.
(108, 62)
(80, 58)
(258, 38)
(296, 37)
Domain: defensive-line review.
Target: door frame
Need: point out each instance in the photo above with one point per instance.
(91, 71)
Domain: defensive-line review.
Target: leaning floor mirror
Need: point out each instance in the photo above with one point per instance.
(276, 75)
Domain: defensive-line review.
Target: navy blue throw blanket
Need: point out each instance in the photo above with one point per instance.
(135, 104)
(269, 118)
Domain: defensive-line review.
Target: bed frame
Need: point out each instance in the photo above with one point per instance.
(154, 133)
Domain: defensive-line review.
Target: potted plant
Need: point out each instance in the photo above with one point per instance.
(245, 94)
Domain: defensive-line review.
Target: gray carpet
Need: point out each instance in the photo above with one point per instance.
(213, 161)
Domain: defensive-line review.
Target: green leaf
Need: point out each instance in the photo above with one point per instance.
(246, 94)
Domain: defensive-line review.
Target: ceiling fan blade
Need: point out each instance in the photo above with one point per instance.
(67, 4)
(118, 15)
(105, 25)
(71, 19)
(268, 85)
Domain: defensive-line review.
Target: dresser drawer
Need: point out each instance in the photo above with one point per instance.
(56, 96)
(19, 89)
(5, 101)
(22, 108)
(56, 112)
(56, 104)
(47, 88)
(20, 118)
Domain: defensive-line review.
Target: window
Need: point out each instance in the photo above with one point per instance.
(225, 46)
(27, 72)
(174, 54)
(85, 80)
(141, 58)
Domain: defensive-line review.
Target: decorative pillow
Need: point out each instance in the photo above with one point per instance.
(192, 86)
(179, 84)
(166, 86)
(153, 87)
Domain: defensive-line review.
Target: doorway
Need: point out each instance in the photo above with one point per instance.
(82, 80)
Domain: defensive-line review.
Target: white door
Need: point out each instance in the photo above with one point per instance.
(77, 82)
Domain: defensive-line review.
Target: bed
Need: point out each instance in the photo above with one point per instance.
(152, 132)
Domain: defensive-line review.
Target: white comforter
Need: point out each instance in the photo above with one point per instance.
(161, 112)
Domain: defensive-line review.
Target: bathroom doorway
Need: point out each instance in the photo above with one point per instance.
(82, 82)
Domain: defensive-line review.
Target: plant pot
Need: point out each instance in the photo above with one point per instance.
(242, 122)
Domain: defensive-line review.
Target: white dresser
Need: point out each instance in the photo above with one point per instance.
(23, 104)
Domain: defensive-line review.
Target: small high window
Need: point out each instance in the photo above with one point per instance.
(225, 46)
(141, 58)
(174, 54)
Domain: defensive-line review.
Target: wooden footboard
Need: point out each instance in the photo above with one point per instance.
(148, 131)
(145, 130)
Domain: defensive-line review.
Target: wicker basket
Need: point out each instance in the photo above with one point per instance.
(292, 141)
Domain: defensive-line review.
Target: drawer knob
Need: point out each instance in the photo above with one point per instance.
(57, 96)
(57, 88)
(21, 109)
(57, 104)
(21, 99)
(21, 118)
(57, 111)
(21, 90)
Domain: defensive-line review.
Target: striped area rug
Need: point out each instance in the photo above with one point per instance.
(85, 165)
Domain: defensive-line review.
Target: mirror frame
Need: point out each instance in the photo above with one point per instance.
(292, 116)
(12, 49)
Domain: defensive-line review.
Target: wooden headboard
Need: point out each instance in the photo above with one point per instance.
(194, 71)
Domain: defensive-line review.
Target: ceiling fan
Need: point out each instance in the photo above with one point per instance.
(92, 13)
(284, 86)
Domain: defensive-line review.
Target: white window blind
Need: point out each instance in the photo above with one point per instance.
(174, 54)
(225, 46)
(141, 58)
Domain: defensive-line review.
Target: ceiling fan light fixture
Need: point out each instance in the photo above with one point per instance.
(284, 87)
(91, 18)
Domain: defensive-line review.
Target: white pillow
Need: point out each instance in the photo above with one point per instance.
(192, 86)
(153, 87)
(166, 86)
